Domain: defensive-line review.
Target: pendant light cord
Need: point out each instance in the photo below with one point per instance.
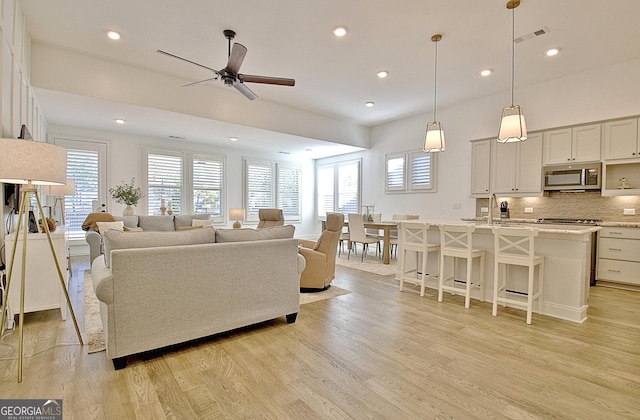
(435, 83)
(513, 51)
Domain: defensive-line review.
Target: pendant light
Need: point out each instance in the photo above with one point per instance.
(434, 139)
(512, 125)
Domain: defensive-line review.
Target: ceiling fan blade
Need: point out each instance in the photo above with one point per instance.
(200, 81)
(236, 58)
(267, 80)
(245, 91)
(188, 61)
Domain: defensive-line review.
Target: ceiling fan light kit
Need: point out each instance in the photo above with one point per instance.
(230, 75)
(434, 136)
(512, 124)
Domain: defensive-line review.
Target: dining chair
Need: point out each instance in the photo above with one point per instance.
(358, 235)
(376, 218)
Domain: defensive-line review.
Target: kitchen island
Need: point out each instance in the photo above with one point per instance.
(568, 254)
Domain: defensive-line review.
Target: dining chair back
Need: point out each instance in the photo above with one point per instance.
(358, 235)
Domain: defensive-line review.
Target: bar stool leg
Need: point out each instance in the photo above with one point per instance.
(467, 295)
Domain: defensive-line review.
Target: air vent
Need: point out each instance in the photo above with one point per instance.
(533, 34)
(177, 138)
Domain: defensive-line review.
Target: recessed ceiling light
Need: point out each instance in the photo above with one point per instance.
(233, 138)
(113, 35)
(340, 31)
(119, 121)
(369, 104)
(552, 52)
(382, 74)
(485, 72)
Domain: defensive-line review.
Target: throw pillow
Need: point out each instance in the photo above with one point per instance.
(185, 219)
(188, 227)
(105, 226)
(156, 223)
(93, 218)
(239, 235)
(133, 229)
(202, 223)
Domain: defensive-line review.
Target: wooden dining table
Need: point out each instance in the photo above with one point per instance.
(386, 227)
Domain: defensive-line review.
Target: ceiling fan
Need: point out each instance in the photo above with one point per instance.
(230, 75)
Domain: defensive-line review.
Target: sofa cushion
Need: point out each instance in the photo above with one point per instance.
(156, 223)
(186, 219)
(129, 221)
(133, 229)
(102, 227)
(202, 223)
(150, 239)
(239, 235)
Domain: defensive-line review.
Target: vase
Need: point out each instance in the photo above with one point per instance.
(128, 211)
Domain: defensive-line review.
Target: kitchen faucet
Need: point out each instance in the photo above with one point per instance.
(492, 200)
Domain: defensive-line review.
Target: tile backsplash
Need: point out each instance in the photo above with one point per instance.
(574, 205)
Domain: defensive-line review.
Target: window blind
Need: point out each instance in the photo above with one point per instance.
(164, 180)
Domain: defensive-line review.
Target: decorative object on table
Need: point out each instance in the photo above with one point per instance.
(170, 209)
(237, 215)
(623, 184)
(60, 191)
(127, 194)
(31, 163)
(504, 210)
(51, 224)
(512, 124)
(434, 136)
(367, 214)
(163, 207)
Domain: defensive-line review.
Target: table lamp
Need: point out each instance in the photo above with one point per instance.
(60, 191)
(31, 163)
(237, 215)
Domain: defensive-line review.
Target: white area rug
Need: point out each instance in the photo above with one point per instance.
(93, 332)
(331, 292)
(371, 264)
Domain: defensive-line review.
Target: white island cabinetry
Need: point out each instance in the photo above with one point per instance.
(567, 270)
(619, 255)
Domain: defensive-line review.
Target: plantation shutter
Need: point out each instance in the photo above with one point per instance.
(207, 186)
(164, 179)
(259, 188)
(420, 175)
(82, 166)
(288, 191)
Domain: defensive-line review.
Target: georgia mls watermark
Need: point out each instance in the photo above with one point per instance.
(30, 409)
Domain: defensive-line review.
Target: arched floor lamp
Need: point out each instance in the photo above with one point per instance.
(31, 163)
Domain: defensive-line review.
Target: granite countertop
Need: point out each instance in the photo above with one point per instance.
(533, 221)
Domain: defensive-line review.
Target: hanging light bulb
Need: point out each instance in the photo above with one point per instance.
(434, 138)
(512, 124)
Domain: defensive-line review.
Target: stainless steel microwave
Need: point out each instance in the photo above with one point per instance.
(586, 176)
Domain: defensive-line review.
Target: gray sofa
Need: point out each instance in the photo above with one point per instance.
(158, 289)
(153, 223)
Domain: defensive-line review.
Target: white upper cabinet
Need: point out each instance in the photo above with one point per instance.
(572, 145)
(621, 139)
(518, 167)
(480, 168)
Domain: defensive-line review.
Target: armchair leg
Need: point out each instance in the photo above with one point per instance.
(291, 318)
(120, 363)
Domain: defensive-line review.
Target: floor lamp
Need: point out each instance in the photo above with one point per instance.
(32, 163)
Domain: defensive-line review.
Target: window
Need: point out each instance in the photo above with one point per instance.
(164, 181)
(410, 172)
(194, 184)
(86, 162)
(338, 188)
(272, 184)
(207, 186)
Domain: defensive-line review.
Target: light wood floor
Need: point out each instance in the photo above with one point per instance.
(373, 353)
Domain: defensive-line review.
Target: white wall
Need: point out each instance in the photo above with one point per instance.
(596, 95)
(125, 160)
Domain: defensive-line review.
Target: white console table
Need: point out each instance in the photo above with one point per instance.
(42, 284)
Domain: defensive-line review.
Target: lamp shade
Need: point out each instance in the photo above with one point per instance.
(67, 189)
(41, 163)
(434, 139)
(512, 125)
(236, 214)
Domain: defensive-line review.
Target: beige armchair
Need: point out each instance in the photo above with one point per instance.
(270, 218)
(321, 255)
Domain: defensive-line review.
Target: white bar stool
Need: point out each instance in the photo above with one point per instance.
(414, 238)
(457, 242)
(516, 246)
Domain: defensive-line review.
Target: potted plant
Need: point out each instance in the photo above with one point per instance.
(127, 194)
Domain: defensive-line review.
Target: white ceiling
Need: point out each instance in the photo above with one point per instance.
(334, 76)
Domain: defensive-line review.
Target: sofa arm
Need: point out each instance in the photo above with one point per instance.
(102, 281)
(302, 264)
(94, 239)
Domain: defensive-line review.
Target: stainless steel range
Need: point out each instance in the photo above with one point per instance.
(582, 221)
